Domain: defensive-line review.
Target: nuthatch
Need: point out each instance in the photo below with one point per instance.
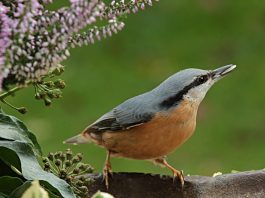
(152, 125)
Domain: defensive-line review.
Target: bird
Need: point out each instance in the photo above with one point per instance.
(152, 125)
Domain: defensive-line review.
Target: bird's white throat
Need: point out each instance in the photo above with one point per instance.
(198, 93)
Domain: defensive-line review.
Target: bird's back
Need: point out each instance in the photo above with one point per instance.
(132, 112)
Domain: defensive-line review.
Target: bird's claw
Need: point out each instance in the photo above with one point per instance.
(107, 171)
(179, 175)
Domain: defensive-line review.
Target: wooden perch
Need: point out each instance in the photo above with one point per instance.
(250, 184)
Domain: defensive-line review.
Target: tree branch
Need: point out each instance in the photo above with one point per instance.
(138, 185)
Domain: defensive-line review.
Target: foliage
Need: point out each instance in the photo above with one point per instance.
(63, 173)
(13, 183)
(16, 138)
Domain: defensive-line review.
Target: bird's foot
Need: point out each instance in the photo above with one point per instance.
(107, 171)
(176, 173)
(179, 175)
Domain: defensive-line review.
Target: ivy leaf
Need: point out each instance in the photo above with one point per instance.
(15, 137)
(8, 184)
(18, 192)
(2, 195)
(11, 161)
(12, 128)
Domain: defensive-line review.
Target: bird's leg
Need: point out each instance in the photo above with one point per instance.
(176, 173)
(107, 170)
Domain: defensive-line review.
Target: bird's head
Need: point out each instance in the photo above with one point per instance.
(190, 84)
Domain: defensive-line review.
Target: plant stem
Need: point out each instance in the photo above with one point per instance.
(10, 92)
(7, 103)
(13, 90)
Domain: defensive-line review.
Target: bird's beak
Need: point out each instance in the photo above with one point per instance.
(222, 71)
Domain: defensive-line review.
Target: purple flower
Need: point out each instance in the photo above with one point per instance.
(33, 40)
(5, 32)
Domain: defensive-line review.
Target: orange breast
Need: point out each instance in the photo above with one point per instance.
(163, 134)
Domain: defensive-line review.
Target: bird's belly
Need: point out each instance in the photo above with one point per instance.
(157, 138)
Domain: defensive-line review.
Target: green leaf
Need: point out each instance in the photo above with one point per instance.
(2, 195)
(15, 137)
(6, 168)
(31, 169)
(12, 128)
(18, 192)
(10, 158)
(53, 193)
(8, 184)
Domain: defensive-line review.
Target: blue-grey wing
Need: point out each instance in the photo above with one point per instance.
(123, 117)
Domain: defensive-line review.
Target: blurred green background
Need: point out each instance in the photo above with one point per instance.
(156, 43)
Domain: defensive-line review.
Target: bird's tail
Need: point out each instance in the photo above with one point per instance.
(82, 138)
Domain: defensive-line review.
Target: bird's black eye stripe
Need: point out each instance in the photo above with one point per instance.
(174, 99)
(201, 79)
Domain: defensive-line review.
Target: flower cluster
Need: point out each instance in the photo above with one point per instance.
(5, 32)
(68, 167)
(51, 89)
(33, 39)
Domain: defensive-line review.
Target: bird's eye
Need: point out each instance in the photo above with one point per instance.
(202, 79)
